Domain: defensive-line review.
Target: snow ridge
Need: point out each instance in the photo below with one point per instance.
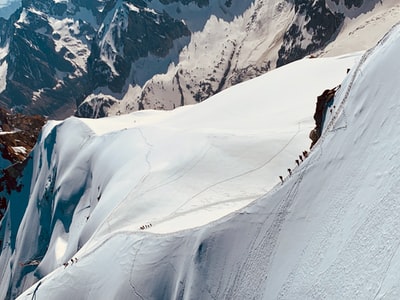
(299, 240)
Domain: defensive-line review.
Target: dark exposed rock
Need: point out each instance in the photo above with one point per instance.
(97, 107)
(313, 19)
(18, 135)
(145, 33)
(200, 3)
(350, 3)
(323, 102)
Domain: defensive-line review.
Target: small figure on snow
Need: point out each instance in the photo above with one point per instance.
(281, 178)
(297, 162)
(290, 171)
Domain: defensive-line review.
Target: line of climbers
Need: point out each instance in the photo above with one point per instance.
(302, 157)
(324, 102)
(143, 227)
(72, 260)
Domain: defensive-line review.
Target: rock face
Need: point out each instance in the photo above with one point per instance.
(313, 27)
(324, 101)
(18, 136)
(134, 33)
(55, 54)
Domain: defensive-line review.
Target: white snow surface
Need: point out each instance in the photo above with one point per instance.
(361, 32)
(331, 231)
(3, 75)
(3, 67)
(78, 47)
(165, 170)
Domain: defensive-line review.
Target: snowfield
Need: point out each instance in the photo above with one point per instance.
(97, 180)
(203, 183)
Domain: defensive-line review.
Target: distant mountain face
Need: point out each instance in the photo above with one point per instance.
(57, 53)
(103, 57)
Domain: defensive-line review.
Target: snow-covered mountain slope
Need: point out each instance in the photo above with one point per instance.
(106, 57)
(331, 231)
(268, 34)
(90, 179)
(58, 52)
(361, 30)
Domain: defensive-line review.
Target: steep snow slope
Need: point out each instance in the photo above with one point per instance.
(331, 231)
(175, 170)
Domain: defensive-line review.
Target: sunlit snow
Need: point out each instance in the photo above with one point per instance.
(331, 231)
(163, 172)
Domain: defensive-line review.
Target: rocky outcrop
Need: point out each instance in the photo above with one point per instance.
(55, 54)
(350, 3)
(18, 135)
(315, 25)
(133, 34)
(324, 101)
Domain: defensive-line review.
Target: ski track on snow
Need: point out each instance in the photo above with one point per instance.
(261, 252)
(172, 215)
